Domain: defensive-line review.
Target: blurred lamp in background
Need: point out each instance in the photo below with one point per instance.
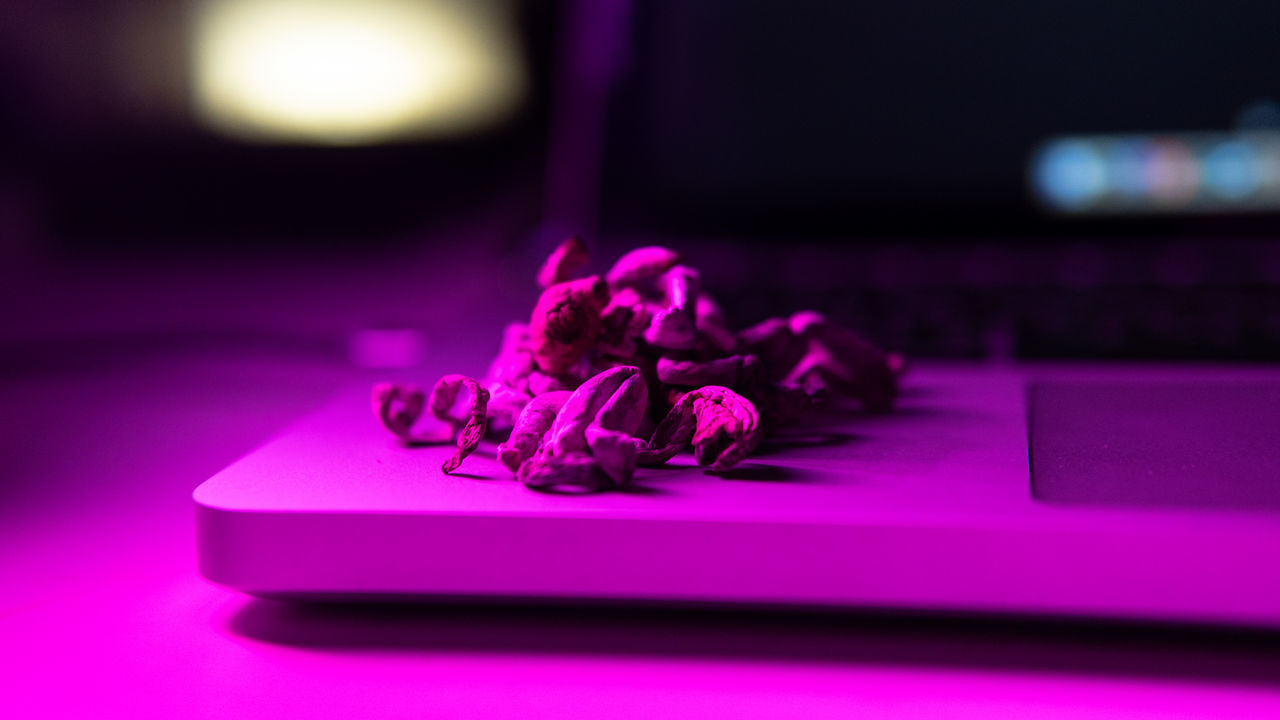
(349, 72)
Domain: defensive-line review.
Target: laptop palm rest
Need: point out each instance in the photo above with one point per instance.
(926, 508)
(1204, 444)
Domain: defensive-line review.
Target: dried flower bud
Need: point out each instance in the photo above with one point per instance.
(712, 326)
(563, 263)
(470, 428)
(629, 298)
(641, 267)
(398, 407)
(622, 323)
(730, 371)
(745, 375)
(617, 336)
(532, 424)
(568, 434)
(598, 419)
(728, 428)
(723, 426)
(775, 344)
(611, 435)
(573, 386)
(841, 359)
(566, 323)
(675, 326)
(574, 472)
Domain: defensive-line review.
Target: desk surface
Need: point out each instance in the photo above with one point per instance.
(103, 612)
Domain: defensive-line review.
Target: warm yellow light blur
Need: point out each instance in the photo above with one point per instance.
(354, 71)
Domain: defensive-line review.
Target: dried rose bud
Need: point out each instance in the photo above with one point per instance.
(775, 344)
(672, 435)
(532, 424)
(728, 371)
(712, 326)
(574, 472)
(728, 427)
(568, 434)
(745, 375)
(671, 329)
(398, 407)
(622, 323)
(641, 267)
(571, 387)
(563, 263)
(617, 336)
(841, 359)
(629, 298)
(566, 323)
(470, 428)
(675, 326)
(723, 426)
(611, 435)
(598, 419)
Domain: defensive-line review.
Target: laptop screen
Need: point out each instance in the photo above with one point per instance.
(929, 117)
(993, 179)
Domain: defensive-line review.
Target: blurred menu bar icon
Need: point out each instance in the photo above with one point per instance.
(1168, 173)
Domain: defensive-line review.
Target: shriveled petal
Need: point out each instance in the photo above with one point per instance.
(727, 371)
(849, 363)
(611, 435)
(712, 326)
(568, 432)
(641, 266)
(671, 435)
(574, 472)
(775, 344)
(470, 427)
(597, 422)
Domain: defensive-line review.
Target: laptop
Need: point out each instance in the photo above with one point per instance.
(1120, 492)
(1080, 253)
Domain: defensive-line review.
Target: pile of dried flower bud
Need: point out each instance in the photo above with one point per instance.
(631, 368)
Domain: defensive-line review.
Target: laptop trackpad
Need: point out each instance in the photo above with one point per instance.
(1202, 444)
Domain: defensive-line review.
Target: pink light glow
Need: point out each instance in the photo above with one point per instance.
(104, 615)
(173, 650)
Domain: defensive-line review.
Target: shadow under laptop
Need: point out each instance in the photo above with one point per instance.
(1074, 647)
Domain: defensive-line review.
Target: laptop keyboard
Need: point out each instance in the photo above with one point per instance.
(1124, 299)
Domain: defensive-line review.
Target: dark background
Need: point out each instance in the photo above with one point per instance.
(914, 117)
(169, 298)
(867, 160)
